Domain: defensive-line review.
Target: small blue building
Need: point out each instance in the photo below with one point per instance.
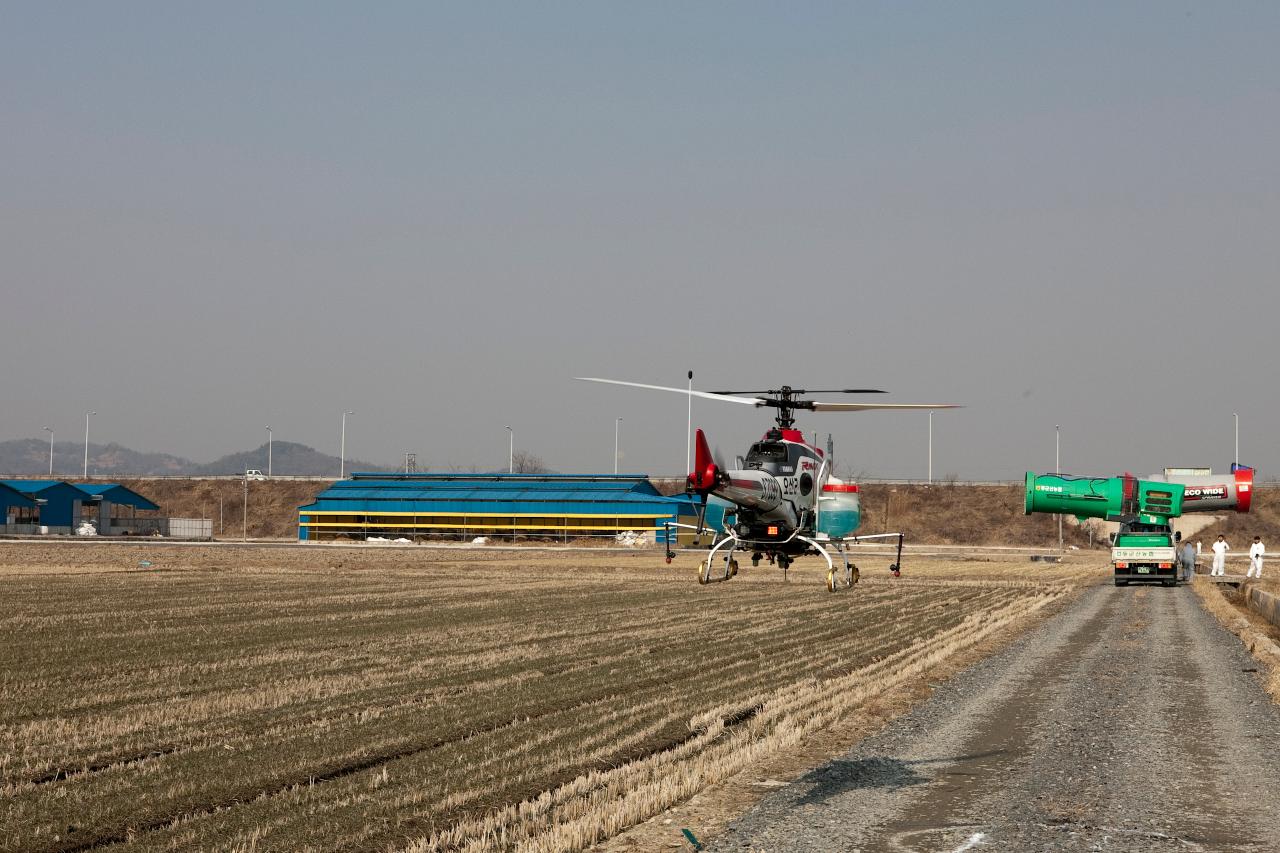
(553, 506)
(62, 505)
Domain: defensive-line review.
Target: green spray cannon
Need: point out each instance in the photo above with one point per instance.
(1124, 499)
(1144, 548)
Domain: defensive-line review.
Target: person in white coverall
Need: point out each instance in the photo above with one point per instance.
(1256, 551)
(1220, 549)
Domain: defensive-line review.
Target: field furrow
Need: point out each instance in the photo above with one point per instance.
(285, 702)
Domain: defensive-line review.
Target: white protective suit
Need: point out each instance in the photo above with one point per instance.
(1220, 549)
(1256, 552)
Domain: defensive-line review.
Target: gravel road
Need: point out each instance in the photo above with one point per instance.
(1131, 721)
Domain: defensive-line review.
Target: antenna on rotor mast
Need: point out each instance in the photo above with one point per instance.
(688, 429)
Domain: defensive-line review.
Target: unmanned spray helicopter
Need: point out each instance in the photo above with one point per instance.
(784, 500)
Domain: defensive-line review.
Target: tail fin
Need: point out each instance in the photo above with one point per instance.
(705, 471)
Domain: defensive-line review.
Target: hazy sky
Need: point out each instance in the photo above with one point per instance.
(215, 217)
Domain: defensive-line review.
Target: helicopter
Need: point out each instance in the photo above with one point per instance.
(783, 500)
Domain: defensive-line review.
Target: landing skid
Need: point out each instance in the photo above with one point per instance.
(709, 571)
(721, 565)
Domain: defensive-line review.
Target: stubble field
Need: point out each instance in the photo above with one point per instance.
(421, 700)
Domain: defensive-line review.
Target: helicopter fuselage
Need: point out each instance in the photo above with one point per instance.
(775, 491)
(783, 500)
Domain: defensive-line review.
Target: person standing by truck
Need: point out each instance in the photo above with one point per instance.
(1256, 552)
(1188, 560)
(1220, 549)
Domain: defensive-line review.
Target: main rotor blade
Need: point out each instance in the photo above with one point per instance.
(868, 407)
(748, 401)
(805, 391)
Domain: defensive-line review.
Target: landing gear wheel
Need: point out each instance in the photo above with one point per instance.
(733, 568)
(702, 573)
(755, 559)
(669, 560)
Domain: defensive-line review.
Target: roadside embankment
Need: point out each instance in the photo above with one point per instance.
(1256, 631)
(1265, 604)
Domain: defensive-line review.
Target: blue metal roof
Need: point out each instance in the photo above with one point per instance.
(10, 496)
(31, 487)
(519, 493)
(116, 494)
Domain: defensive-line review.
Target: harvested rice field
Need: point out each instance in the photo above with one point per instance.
(259, 698)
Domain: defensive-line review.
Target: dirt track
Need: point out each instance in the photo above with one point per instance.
(1130, 722)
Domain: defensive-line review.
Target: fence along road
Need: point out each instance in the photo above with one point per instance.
(1131, 721)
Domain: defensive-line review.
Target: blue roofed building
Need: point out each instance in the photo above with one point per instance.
(504, 506)
(60, 506)
(59, 502)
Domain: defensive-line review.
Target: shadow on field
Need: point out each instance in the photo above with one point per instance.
(843, 775)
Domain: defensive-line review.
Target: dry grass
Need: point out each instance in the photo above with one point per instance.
(273, 504)
(255, 698)
(1257, 634)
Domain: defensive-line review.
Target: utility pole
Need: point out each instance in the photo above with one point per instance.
(930, 447)
(244, 511)
(270, 435)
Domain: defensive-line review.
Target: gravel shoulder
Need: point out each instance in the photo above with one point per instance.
(1131, 721)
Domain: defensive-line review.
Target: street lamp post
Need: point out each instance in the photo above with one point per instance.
(1057, 469)
(617, 422)
(270, 435)
(86, 443)
(342, 447)
(511, 450)
(50, 431)
(931, 448)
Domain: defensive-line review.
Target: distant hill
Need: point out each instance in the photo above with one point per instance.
(29, 457)
(287, 457)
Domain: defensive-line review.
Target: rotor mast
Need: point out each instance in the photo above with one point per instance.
(786, 404)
